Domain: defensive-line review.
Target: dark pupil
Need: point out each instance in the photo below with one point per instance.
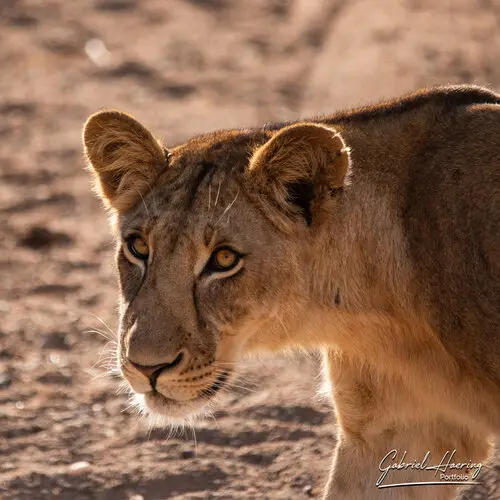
(134, 245)
(224, 259)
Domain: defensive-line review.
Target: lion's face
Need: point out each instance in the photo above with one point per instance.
(212, 264)
(208, 273)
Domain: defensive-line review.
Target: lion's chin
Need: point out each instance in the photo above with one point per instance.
(162, 411)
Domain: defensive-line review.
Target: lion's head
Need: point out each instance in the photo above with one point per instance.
(215, 247)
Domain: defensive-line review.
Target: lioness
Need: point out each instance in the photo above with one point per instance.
(373, 234)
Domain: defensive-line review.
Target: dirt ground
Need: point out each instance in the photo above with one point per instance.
(181, 67)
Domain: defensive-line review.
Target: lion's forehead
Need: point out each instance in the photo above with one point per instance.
(199, 194)
(184, 194)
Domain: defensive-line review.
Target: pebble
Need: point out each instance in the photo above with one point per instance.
(5, 380)
(57, 378)
(54, 340)
(308, 490)
(97, 52)
(186, 454)
(78, 468)
(136, 497)
(40, 238)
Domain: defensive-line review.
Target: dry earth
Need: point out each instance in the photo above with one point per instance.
(182, 67)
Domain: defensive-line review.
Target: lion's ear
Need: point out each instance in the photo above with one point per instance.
(125, 158)
(299, 167)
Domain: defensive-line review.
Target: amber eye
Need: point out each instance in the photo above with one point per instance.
(224, 259)
(138, 247)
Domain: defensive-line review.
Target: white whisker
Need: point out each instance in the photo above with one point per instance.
(153, 198)
(228, 207)
(115, 336)
(102, 333)
(217, 196)
(144, 203)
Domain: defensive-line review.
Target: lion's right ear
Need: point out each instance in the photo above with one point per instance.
(124, 157)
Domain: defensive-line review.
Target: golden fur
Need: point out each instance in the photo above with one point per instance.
(373, 234)
(112, 143)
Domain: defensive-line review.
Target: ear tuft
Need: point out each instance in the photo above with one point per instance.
(300, 167)
(125, 158)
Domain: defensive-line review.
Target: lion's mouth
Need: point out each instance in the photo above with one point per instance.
(163, 405)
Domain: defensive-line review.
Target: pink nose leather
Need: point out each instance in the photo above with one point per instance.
(152, 372)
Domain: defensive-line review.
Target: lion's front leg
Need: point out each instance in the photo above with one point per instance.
(387, 439)
(356, 474)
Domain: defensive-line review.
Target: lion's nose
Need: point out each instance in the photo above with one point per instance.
(153, 372)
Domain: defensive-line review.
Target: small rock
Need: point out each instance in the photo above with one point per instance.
(39, 238)
(6, 354)
(116, 5)
(132, 69)
(177, 90)
(308, 490)
(78, 468)
(97, 52)
(54, 340)
(135, 497)
(5, 380)
(54, 378)
(186, 454)
(211, 4)
(22, 20)
(56, 359)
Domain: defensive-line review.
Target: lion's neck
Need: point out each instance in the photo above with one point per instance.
(363, 264)
(362, 244)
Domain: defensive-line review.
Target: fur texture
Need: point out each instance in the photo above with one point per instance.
(125, 155)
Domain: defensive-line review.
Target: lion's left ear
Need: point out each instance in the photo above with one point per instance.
(299, 167)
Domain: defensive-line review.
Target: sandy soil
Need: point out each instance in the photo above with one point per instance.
(182, 67)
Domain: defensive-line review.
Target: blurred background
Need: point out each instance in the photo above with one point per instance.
(182, 68)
